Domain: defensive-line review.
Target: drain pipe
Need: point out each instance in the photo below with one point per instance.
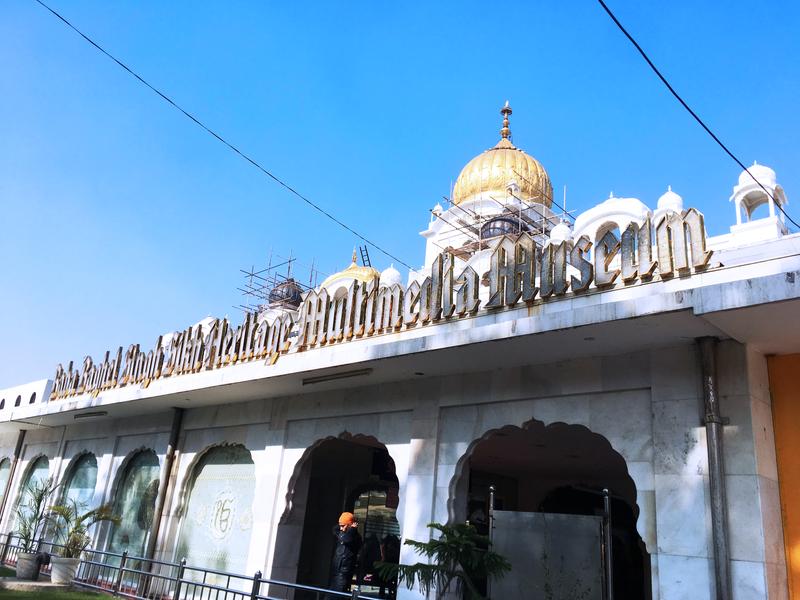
(716, 467)
(11, 471)
(163, 483)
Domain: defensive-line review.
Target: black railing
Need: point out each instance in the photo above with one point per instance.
(148, 579)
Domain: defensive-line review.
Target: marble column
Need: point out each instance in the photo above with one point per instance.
(420, 482)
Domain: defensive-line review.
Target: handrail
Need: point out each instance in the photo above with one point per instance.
(179, 582)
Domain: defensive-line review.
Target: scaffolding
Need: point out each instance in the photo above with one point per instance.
(529, 215)
(267, 286)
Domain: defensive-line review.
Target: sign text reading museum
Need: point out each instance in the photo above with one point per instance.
(520, 271)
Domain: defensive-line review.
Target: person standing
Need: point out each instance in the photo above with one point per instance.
(345, 556)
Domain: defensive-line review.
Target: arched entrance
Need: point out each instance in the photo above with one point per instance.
(348, 473)
(558, 469)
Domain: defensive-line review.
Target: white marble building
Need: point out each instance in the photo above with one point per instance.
(580, 390)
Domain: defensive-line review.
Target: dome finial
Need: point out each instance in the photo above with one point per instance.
(505, 111)
(355, 258)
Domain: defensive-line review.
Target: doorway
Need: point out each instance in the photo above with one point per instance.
(557, 470)
(356, 475)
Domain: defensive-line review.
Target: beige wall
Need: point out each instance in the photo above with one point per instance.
(784, 383)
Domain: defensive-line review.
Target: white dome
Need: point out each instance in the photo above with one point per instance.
(764, 174)
(560, 233)
(670, 201)
(391, 276)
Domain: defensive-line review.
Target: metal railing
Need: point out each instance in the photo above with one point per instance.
(140, 578)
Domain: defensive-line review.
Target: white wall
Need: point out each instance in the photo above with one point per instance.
(648, 405)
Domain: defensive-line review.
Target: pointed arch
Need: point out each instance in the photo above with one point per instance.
(38, 469)
(79, 482)
(5, 472)
(134, 498)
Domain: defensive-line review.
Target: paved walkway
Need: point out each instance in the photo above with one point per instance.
(20, 585)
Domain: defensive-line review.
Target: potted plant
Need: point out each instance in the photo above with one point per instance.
(71, 524)
(460, 558)
(31, 519)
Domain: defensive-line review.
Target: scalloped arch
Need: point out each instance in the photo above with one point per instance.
(359, 438)
(628, 494)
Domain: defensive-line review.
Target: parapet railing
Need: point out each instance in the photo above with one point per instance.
(138, 578)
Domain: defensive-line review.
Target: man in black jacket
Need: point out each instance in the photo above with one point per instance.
(345, 556)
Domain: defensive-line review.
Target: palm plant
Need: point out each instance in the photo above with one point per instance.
(72, 524)
(460, 558)
(31, 512)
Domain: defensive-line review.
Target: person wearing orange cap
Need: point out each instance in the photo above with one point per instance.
(345, 556)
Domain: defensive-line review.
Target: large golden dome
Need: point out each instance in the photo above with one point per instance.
(492, 171)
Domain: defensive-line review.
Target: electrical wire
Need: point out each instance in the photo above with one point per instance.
(691, 112)
(219, 138)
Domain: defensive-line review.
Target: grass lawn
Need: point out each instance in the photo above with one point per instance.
(7, 572)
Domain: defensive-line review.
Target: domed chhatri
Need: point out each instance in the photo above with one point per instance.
(764, 174)
(492, 171)
(669, 200)
(391, 276)
(353, 272)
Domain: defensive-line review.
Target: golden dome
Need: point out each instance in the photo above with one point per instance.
(492, 170)
(363, 274)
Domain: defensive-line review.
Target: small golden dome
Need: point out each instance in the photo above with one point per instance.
(492, 170)
(362, 274)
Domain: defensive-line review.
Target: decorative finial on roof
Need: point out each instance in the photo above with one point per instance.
(610, 195)
(355, 258)
(505, 111)
(669, 188)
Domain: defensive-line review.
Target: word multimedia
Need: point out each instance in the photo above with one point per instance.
(520, 271)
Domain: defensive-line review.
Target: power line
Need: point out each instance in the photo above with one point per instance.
(691, 112)
(219, 138)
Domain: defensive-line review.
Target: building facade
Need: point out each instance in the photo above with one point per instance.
(551, 360)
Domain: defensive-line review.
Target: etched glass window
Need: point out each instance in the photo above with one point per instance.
(81, 481)
(135, 502)
(38, 471)
(218, 515)
(5, 469)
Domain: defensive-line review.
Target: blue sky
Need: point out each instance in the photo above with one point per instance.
(122, 220)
